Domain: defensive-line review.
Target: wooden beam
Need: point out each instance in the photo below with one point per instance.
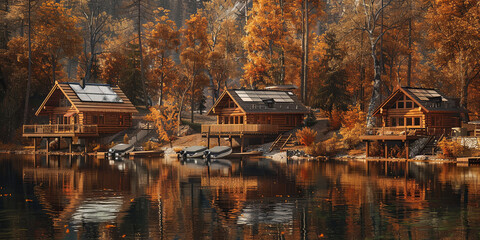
(230, 139)
(406, 149)
(218, 140)
(48, 145)
(367, 149)
(242, 140)
(34, 144)
(70, 145)
(386, 149)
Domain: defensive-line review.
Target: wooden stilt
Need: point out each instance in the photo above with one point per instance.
(386, 149)
(230, 140)
(367, 148)
(243, 141)
(70, 145)
(218, 141)
(34, 144)
(406, 149)
(208, 137)
(48, 145)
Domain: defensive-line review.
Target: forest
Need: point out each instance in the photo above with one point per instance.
(340, 53)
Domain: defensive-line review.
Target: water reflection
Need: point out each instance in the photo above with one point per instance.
(83, 198)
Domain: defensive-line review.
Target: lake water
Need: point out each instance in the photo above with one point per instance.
(87, 198)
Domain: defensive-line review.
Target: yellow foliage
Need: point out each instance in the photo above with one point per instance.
(125, 138)
(335, 119)
(353, 116)
(165, 119)
(451, 148)
(351, 136)
(306, 136)
(329, 147)
(149, 145)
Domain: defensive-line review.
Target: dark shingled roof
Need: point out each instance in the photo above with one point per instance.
(429, 99)
(256, 101)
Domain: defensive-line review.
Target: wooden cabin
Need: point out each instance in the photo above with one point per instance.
(411, 113)
(243, 112)
(419, 108)
(76, 111)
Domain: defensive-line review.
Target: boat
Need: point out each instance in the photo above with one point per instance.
(217, 152)
(119, 151)
(199, 163)
(192, 152)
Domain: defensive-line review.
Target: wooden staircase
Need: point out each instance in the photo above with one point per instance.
(431, 148)
(282, 141)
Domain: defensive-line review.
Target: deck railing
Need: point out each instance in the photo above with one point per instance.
(60, 129)
(408, 131)
(240, 129)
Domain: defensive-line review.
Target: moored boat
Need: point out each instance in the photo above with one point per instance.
(218, 152)
(119, 151)
(192, 152)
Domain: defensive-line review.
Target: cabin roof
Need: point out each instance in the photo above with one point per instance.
(429, 99)
(92, 98)
(264, 101)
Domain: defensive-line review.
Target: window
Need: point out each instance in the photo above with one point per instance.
(94, 119)
(416, 121)
(101, 119)
(401, 122)
(400, 104)
(241, 119)
(393, 122)
(408, 104)
(409, 121)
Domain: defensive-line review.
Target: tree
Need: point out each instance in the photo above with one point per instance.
(454, 30)
(225, 47)
(333, 92)
(95, 23)
(270, 44)
(57, 34)
(165, 120)
(163, 39)
(193, 58)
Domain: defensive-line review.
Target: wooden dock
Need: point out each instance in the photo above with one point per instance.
(469, 160)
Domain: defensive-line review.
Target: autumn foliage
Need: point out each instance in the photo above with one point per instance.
(450, 148)
(165, 120)
(306, 136)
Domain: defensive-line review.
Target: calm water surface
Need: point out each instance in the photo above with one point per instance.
(88, 198)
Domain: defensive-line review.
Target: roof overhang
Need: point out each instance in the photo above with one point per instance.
(392, 96)
(55, 87)
(225, 92)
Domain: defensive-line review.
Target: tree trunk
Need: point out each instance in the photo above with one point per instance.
(192, 105)
(305, 58)
(409, 64)
(160, 100)
(54, 66)
(142, 79)
(374, 100)
(29, 79)
(464, 96)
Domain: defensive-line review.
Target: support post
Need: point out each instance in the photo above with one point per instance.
(406, 149)
(243, 141)
(230, 140)
(218, 140)
(367, 149)
(34, 144)
(86, 146)
(70, 145)
(48, 145)
(208, 137)
(386, 149)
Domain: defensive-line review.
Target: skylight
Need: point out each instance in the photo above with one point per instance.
(258, 96)
(96, 93)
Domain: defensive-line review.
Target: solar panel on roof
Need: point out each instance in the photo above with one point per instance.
(258, 96)
(96, 93)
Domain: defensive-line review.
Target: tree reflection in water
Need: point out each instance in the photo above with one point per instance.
(83, 198)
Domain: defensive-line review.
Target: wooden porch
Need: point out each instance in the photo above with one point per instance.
(60, 130)
(402, 133)
(239, 129)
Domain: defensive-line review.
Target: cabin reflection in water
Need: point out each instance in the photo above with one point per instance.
(255, 199)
